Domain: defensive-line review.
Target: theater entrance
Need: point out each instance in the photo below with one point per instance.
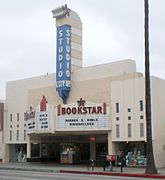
(70, 149)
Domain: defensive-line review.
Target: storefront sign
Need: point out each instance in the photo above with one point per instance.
(31, 125)
(82, 122)
(30, 119)
(81, 109)
(37, 118)
(85, 116)
(63, 63)
(43, 120)
(30, 114)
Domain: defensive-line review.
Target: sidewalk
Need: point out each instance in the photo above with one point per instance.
(51, 167)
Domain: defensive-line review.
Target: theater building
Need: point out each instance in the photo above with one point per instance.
(81, 113)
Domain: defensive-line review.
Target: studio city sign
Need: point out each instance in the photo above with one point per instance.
(82, 109)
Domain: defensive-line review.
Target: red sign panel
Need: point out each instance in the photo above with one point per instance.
(110, 158)
(43, 104)
(92, 138)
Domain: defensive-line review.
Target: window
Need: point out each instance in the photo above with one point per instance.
(141, 117)
(17, 137)
(10, 135)
(117, 118)
(10, 126)
(17, 125)
(129, 117)
(141, 105)
(129, 109)
(25, 116)
(11, 117)
(24, 135)
(117, 107)
(141, 130)
(129, 130)
(17, 116)
(163, 147)
(117, 131)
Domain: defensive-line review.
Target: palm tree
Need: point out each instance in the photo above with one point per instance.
(150, 166)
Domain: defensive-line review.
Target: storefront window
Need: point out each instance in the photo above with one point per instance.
(84, 152)
(18, 152)
(134, 152)
(101, 149)
(35, 150)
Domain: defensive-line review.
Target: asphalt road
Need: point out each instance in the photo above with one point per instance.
(31, 175)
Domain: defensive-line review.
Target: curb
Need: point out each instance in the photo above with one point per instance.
(27, 169)
(115, 174)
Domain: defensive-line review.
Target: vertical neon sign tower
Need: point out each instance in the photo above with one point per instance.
(69, 48)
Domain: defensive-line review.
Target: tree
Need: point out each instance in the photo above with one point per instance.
(150, 166)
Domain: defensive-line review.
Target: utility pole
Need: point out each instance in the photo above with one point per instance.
(150, 166)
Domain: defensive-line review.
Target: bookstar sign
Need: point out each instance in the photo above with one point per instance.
(85, 116)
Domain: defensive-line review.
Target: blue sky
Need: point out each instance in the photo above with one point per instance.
(112, 30)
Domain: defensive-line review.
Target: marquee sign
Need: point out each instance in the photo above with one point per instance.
(30, 119)
(37, 119)
(82, 116)
(63, 61)
(43, 120)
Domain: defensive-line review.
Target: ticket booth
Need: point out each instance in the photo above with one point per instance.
(70, 155)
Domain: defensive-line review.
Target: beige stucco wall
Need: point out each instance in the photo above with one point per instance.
(127, 93)
(17, 102)
(158, 119)
(91, 83)
(112, 70)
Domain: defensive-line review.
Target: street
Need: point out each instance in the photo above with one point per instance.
(32, 175)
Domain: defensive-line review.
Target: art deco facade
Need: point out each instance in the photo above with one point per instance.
(89, 112)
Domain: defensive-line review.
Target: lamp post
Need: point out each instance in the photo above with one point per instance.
(150, 166)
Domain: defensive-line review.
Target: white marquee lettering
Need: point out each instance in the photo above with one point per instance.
(68, 40)
(60, 40)
(68, 73)
(67, 57)
(60, 83)
(68, 32)
(60, 49)
(60, 33)
(60, 57)
(68, 49)
(68, 65)
(60, 74)
(60, 65)
(67, 83)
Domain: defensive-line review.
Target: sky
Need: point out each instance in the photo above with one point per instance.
(112, 30)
